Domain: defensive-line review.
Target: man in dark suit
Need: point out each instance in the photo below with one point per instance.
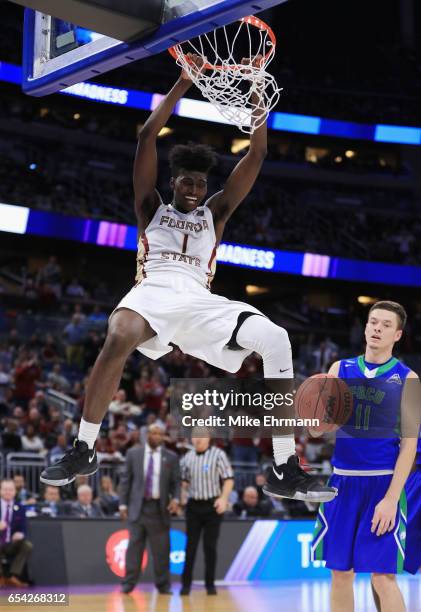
(149, 492)
(13, 543)
(84, 507)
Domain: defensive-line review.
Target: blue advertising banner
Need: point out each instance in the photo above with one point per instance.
(22, 220)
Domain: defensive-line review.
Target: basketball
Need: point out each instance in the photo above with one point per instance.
(324, 397)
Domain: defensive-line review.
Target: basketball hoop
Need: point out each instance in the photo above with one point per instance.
(243, 93)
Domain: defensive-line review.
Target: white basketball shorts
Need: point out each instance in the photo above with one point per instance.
(180, 310)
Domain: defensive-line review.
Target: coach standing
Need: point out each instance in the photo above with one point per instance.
(149, 492)
(202, 472)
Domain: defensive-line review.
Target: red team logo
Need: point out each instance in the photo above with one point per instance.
(115, 552)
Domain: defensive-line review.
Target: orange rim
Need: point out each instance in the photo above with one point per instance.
(251, 20)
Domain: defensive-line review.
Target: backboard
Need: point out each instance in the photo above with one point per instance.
(58, 54)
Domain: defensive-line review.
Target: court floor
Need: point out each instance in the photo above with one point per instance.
(291, 596)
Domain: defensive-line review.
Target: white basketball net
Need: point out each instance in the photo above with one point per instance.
(243, 94)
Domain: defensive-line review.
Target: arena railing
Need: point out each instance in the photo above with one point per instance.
(66, 404)
(29, 465)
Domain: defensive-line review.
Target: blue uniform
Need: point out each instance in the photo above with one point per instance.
(366, 450)
(413, 541)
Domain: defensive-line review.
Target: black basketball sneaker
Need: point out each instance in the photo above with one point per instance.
(290, 480)
(80, 459)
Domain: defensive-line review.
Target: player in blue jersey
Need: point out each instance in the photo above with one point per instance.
(413, 494)
(412, 562)
(364, 528)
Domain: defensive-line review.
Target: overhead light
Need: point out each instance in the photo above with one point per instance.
(366, 299)
(76, 116)
(315, 154)
(32, 166)
(349, 154)
(238, 144)
(255, 290)
(338, 159)
(165, 131)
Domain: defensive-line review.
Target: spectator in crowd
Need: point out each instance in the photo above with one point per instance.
(259, 482)
(250, 505)
(84, 507)
(51, 504)
(120, 437)
(19, 416)
(134, 439)
(31, 442)
(40, 402)
(50, 276)
(98, 318)
(59, 449)
(56, 380)
(49, 350)
(23, 495)
(69, 429)
(14, 546)
(27, 373)
(11, 440)
(106, 450)
(172, 432)
(108, 499)
(34, 417)
(5, 379)
(152, 393)
(75, 333)
(120, 407)
(75, 289)
(78, 310)
(92, 347)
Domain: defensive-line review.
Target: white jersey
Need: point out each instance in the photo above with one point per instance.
(178, 242)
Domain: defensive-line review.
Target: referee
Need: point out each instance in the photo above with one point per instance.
(203, 470)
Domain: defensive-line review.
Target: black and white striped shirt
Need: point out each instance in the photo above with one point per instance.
(205, 471)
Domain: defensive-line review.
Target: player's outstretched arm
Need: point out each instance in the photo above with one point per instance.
(245, 173)
(146, 159)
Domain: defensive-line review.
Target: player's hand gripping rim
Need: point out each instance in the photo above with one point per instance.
(197, 64)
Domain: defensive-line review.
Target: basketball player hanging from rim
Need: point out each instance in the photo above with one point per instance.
(171, 301)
